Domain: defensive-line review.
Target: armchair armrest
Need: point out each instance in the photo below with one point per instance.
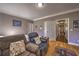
(33, 48)
(44, 39)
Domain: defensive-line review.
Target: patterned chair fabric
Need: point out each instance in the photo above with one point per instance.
(32, 36)
(17, 48)
(41, 42)
(14, 45)
(32, 47)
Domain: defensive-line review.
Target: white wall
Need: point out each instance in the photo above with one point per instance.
(73, 35)
(7, 28)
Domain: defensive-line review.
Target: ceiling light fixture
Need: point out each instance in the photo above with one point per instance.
(40, 4)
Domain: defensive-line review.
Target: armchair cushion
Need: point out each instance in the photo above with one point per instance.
(25, 53)
(32, 47)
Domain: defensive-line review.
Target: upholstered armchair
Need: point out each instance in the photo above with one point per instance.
(42, 42)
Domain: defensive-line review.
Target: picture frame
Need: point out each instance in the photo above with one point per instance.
(75, 23)
(17, 23)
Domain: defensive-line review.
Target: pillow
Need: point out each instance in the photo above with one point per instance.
(37, 40)
(17, 48)
(27, 38)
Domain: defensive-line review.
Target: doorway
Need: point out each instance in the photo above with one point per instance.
(62, 30)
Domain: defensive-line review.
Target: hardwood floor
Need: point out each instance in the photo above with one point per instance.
(54, 44)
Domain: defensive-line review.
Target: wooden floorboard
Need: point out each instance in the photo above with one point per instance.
(53, 44)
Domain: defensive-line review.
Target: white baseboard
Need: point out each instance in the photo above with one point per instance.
(73, 44)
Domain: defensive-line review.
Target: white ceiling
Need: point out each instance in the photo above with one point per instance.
(31, 12)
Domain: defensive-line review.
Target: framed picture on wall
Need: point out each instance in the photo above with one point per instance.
(17, 23)
(75, 23)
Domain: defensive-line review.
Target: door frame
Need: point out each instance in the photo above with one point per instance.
(68, 26)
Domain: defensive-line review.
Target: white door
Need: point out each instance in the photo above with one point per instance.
(50, 29)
